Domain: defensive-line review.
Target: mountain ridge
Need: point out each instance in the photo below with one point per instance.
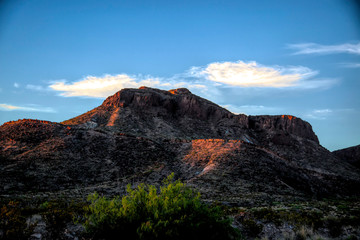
(350, 155)
(170, 107)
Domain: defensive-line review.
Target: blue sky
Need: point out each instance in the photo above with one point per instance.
(59, 59)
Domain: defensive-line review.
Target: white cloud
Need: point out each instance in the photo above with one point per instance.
(101, 87)
(253, 109)
(313, 48)
(206, 79)
(252, 74)
(16, 85)
(33, 108)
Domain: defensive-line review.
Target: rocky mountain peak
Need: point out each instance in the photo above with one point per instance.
(178, 113)
(172, 103)
(143, 96)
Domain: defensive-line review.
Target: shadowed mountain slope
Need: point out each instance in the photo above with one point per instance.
(350, 155)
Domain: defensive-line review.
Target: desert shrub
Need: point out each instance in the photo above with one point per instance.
(251, 228)
(57, 214)
(12, 222)
(352, 237)
(268, 215)
(305, 232)
(298, 217)
(304, 217)
(334, 225)
(173, 212)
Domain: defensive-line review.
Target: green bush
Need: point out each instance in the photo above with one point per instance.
(174, 212)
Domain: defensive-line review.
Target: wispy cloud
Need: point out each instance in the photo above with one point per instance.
(32, 108)
(16, 85)
(350, 65)
(253, 109)
(322, 114)
(319, 114)
(314, 48)
(36, 88)
(204, 79)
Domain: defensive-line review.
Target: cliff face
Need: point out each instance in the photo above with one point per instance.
(283, 124)
(144, 134)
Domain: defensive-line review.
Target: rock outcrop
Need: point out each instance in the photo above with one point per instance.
(283, 124)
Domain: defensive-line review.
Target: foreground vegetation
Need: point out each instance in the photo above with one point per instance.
(174, 211)
(325, 219)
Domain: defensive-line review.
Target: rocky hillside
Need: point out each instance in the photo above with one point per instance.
(144, 134)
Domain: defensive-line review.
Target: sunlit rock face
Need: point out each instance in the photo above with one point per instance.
(142, 135)
(174, 103)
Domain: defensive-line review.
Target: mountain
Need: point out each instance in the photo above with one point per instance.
(144, 134)
(350, 155)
